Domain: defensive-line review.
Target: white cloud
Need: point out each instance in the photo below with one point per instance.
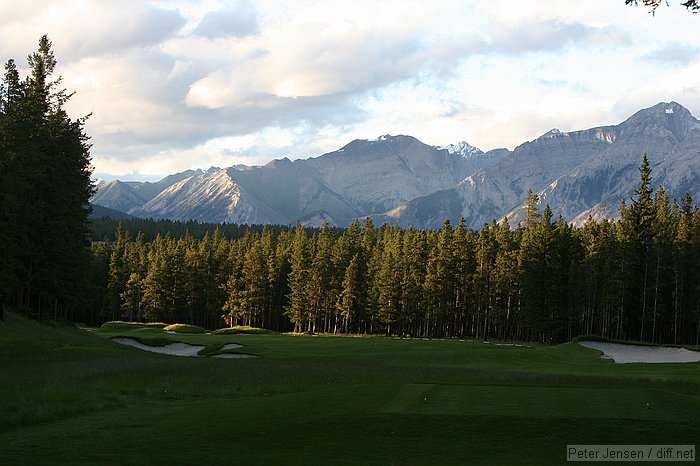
(175, 84)
(86, 28)
(238, 20)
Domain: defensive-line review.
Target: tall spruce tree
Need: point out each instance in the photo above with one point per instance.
(388, 279)
(45, 170)
(682, 258)
(11, 233)
(350, 298)
(320, 289)
(298, 308)
(642, 235)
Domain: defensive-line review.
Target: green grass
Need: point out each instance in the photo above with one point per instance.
(242, 330)
(117, 325)
(71, 396)
(184, 328)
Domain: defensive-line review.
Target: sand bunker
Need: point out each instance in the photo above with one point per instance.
(173, 349)
(183, 349)
(230, 346)
(624, 354)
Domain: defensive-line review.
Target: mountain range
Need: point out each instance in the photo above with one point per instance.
(400, 180)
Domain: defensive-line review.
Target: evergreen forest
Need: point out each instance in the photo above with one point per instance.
(636, 278)
(631, 279)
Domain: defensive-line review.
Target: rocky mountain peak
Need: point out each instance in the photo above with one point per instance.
(554, 132)
(277, 163)
(402, 180)
(664, 120)
(463, 149)
(389, 139)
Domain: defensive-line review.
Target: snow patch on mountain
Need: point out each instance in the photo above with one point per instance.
(383, 137)
(552, 133)
(462, 148)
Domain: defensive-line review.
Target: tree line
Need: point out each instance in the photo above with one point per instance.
(635, 278)
(105, 228)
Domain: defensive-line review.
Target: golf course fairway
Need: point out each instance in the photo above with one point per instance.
(72, 396)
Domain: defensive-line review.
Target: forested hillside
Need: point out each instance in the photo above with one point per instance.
(637, 278)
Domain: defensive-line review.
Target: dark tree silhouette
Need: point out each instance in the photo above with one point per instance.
(690, 5)
(44, 192)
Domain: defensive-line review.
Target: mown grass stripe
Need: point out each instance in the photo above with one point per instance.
(408, 395)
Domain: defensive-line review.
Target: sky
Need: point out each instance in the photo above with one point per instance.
(173, 85)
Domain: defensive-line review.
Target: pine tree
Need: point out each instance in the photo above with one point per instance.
(119, 270)
(536, 264)
(664, 225)
(99, 280)
(164, 295)
(350, 263)
(694, 275)
(269, 256)
(280, 270)
(532, 210)
(486, 248)
(389, 280)
(682, 258)
(350, 297)
(46, 187)
(591, 284)
(132, 298)
(440, 283)
(254, 275)
(298, 308)
(505, 281)
(234, 304)
(463, 246)
(415, 252)
(642, 224)
(13, 233)
(217, 254)
(320, 287)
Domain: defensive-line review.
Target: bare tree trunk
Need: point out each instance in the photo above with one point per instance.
(656, 296)
(621, 309)
(676, 308)
(697, 313)
(644, 300)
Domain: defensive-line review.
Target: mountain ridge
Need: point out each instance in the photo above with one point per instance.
(399, 179)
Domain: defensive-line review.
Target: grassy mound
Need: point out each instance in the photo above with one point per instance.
(116, 325)
(242, 330)
(184, 328)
